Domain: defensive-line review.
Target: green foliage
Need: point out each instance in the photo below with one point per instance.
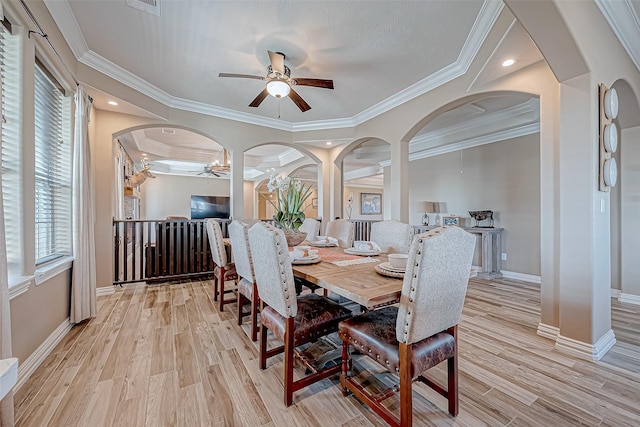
(291, 194)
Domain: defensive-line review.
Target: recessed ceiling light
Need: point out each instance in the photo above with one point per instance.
(112, 103)
(329, 143)
(168, 131)
(509, 62)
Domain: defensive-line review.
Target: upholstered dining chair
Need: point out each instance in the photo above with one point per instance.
(342, 230)
(421, 332)
(392, 236)
(247, 289)
(311, 227)
(223, 270)
(292, 320)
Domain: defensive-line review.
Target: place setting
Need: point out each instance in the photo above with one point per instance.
(363, 248)
(324, 242)
(304, 255)
(395, 267)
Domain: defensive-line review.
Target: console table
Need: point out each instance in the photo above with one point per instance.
(491, 248)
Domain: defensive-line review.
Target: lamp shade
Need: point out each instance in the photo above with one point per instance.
(426, 206)
(278, 88)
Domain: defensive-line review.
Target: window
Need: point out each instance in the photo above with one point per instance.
(53, 169)
(11, 148)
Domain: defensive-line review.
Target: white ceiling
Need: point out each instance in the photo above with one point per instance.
(378, 53)
(371, 50)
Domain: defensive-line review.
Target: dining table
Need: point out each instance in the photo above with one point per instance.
(352, 276)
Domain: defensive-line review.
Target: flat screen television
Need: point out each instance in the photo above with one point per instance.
(210, 207)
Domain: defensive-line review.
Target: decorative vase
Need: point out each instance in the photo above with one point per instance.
(294, 237)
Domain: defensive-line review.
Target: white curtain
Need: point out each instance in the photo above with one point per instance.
(83, 284)
(6, 406)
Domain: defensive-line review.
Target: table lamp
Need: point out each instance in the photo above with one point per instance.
(426, 207)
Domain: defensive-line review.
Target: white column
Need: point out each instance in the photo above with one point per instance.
(584, 256)
(236, 186)
(399, 194)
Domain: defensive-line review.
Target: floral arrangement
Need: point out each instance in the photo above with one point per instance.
(291, 194)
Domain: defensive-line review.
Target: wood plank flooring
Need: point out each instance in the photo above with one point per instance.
(164, 355)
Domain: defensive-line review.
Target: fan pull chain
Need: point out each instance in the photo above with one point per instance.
(461, 161)
(278, 108)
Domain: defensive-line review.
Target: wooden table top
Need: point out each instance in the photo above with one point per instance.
(360, 283)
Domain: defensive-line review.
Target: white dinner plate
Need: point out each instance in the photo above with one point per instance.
(307, 260)
(322, 244)
(353, 251)
(387, 266)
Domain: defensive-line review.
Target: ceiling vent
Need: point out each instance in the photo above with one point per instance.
(149, 6)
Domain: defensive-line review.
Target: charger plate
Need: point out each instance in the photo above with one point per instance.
(353, 251)
(306, 260)
(384, 272)
(322, 244)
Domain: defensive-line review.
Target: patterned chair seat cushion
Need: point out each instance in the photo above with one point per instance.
(374, 334)
(229, 272)
(317, 316)
(245, 287)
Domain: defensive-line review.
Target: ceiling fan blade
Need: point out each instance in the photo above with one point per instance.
(258, 100)
(277, 62)
(242, 76)
(297, 99)
(323, 83)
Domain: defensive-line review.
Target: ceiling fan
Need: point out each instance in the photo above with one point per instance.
(280, 84)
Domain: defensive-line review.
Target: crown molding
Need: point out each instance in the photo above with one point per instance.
(529, 107)
(481, 140)
(625, 23)
(484, 22)
(65, 19)
(289, 155)
(473, 142)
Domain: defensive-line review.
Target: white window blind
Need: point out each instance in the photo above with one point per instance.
(11, 149)
(52, 171)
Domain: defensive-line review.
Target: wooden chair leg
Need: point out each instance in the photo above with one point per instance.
(263, 346)
(452, 376)
(221, 301)
(241, 299)
(288, 361)
(406, 398)
(346, 367)
(255, 300)
(215, 286)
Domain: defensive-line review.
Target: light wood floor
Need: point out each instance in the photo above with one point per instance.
(164, 355)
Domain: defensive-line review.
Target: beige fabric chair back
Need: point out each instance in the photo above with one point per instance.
(214, 233)
(435, 283)
(272, 267)
(311, 227)
(238, 233)
(392, 236)
(342, 230)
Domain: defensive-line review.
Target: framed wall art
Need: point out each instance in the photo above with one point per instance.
(371, 204)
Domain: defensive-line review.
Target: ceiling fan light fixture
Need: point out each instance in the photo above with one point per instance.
(278, 88)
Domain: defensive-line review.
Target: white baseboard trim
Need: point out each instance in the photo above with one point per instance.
(521, 276)
(628, 298)
(105, 290)
(585, 350)
(548, 331)
(31, 363)
(615, 293)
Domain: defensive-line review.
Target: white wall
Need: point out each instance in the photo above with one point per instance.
(630, 211)
(356, 204)
(171, 195)
(503, 177)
